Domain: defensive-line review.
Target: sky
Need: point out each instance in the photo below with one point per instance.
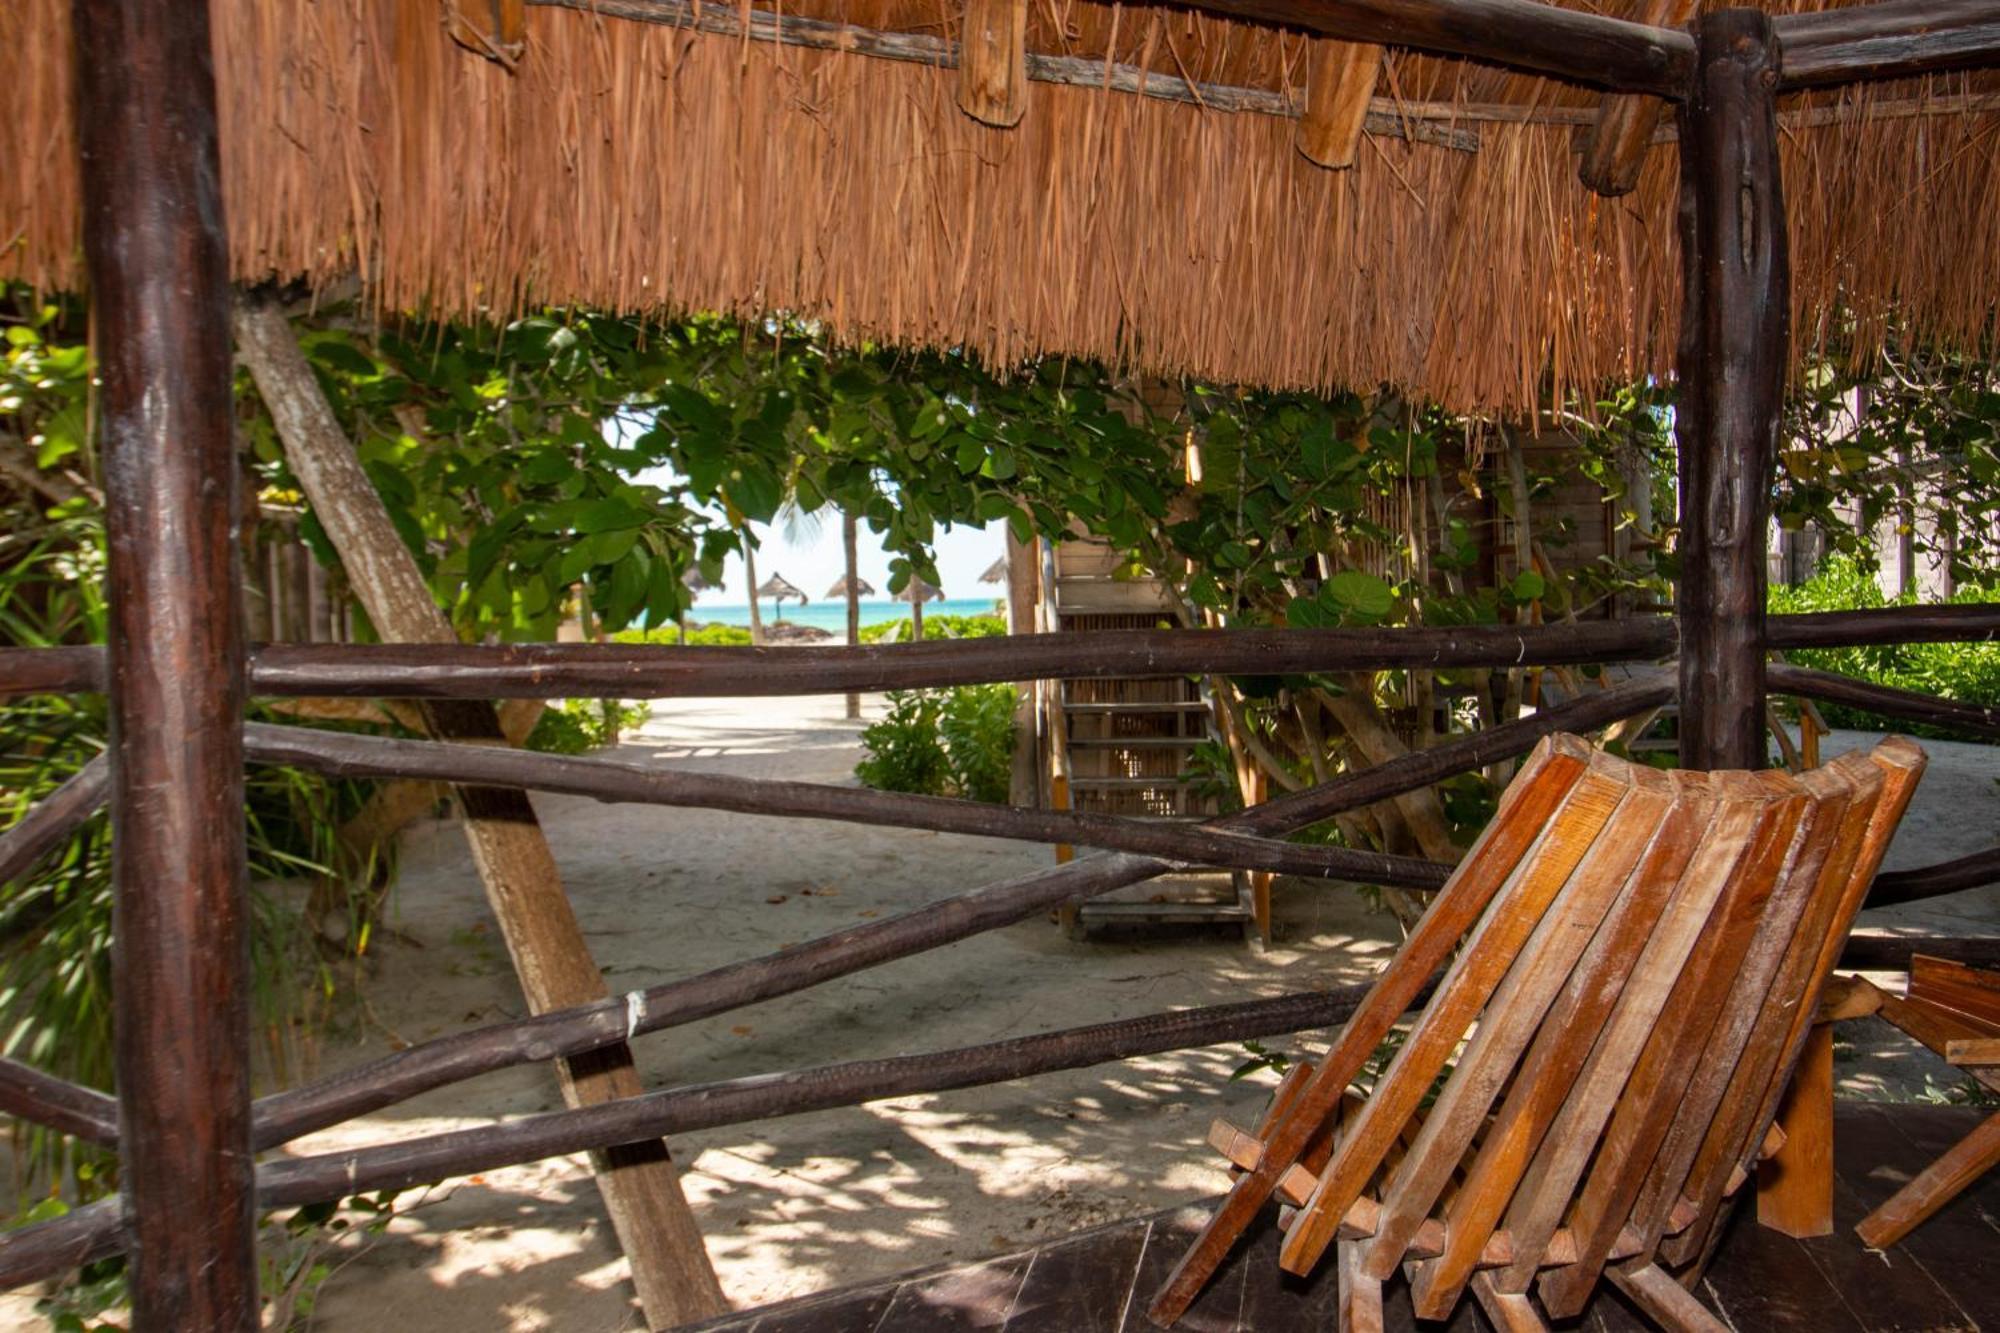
(813, 561)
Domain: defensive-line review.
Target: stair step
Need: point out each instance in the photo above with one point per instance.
(1134, 742)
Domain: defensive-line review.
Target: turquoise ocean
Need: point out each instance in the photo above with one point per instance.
(832, 616)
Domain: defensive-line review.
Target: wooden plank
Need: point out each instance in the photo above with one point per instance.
(1973, 1051)
(1887, 40)
(1646, 1110)
(1338, 88)
(1482, 963)
(1666, 1301)
(1973, 993)
(1795, 1189)
(1763, 1282)
(1360, 1291)
(1546, 780)
(1560, 1050)
(1879, 1150)
(1730, 367)
(157, 256)
(1511, 1020)
(1084, 1283)
(1935, 1186)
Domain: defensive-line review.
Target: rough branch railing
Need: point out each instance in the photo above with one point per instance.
(155, 244)
(555, 671)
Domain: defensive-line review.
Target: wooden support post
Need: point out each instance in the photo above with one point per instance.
(993, 62)
(639, 1183)
(159, 281)
(1735, 319)
(1023, 591)
(1795, 1185)
(1338, 88)
(850, 543)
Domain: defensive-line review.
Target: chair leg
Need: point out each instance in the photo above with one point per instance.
(1507, 1311)
(1360, 1294)
(1795, 1188)
(1934, 1187)
(1665, 1301)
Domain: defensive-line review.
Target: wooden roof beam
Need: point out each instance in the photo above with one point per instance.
(1579, 47)
(1339, 88)
(1616, 151)
(1895, 39)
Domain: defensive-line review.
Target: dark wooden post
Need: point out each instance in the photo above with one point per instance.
(158, 263)
(1735, 319)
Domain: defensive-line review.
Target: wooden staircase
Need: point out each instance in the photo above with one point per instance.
(1126, 746)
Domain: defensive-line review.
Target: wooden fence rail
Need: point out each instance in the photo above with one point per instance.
(547, 671)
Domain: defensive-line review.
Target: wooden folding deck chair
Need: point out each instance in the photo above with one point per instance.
(1642, 956)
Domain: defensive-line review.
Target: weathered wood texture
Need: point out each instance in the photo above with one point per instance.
(1623, 133)
(639, 1182)
(352, 756)
(1339, 87)
(544, 671)
(993, 62)
(1096, 1281)
(1887, 40)
(54, 818)
(1904, 705)
(1735, 317)
(158, 264)
(1965, 872)
(1581, 47)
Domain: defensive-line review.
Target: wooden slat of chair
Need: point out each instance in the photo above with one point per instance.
(1550, 1181)
(1934, 1187)
(1973, 993)
(1554, 769)
(1532, 984)
(1559, 1052)
(1490, 951)
(1810, 883)
(1646, 1109)
(1734, 1133)
(1901, 765)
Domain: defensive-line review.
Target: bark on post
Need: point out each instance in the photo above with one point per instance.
(639, 1183)
(1735, 318)
(1024, 786)
(159, 279)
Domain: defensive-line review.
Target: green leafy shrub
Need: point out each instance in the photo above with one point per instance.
(956, 742)
(577, 726)
(938, 627)
(1967, 672)
(698, 636)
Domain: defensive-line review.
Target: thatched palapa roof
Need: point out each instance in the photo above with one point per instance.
(778, 588)
(916, 592)
(646, 155)
(862, 588)
(995, 572)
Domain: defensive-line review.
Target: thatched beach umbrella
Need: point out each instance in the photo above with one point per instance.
(862, 588)
(697, 581)
(778, 588)
(995, 572)
(916, 592)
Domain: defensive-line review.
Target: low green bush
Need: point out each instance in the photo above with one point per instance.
(576, 726)
(1967, 672)
(957, 742)
(698, 636)
(938, 627)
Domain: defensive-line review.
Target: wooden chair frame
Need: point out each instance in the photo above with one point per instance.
(1639, 957)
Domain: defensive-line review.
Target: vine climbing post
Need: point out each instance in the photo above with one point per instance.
(159, 282)
(1735, 320)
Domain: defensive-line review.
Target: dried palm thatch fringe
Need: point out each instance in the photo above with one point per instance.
(640, 167)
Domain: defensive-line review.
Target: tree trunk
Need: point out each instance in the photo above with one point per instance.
(916, 619)
(640, 1186)
(750, 576)
(1355, 711)
(850, 541)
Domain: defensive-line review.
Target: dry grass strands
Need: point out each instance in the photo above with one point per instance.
(640, 167)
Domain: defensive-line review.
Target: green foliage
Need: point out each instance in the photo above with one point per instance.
(942, 626)
(957, 742)
(578, 726)
(1967, 672)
